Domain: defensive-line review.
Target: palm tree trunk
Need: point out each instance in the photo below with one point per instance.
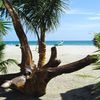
(42, 50)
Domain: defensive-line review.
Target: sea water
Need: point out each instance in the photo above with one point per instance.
(53, 42)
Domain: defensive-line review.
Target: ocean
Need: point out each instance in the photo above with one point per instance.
(53, 42)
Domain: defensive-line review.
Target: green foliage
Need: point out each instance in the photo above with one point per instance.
(1, 50)
(97, 66)
(95, 56)
(4, 26)
(4, 63)
(2, 67)
(97, 87)
(97, 91)
(3, 12)
(40, 12)
(1, 5)
(96, 40)
(39, 15)
(84, 75)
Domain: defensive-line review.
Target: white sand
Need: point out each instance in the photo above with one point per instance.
(65, 82)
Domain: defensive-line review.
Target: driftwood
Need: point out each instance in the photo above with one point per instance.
(32, 79)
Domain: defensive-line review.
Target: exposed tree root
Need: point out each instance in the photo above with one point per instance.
(72, 67)
(53, 61)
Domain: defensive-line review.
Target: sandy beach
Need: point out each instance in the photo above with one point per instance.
(59, 87)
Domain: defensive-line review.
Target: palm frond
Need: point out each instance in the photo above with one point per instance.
(4, 26)
(96, 40)
(97, 87)
(97, 67)
(2, 45)
(97, 64)
(3, 12)
(40, 13)
(3, 67)
(4, 64)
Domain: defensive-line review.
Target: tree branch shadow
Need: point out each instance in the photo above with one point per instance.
(14, 95)
(84, 93)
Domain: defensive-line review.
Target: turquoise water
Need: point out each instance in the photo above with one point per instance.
(53, 42)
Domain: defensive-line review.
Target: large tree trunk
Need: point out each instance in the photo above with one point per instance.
(33, 80)
(25, 49)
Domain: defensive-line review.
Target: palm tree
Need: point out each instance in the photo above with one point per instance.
(42, 16)
(33, 79)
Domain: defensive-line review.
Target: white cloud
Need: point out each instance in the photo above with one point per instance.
(78, 12)
(91, 15)
(96, 17)
(77, 27)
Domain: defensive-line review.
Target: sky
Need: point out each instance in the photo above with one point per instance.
(79, 22)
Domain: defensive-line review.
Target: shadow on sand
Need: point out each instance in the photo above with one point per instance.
(14, 95)
(84, 93)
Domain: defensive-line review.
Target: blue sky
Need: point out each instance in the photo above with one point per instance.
(78, 23)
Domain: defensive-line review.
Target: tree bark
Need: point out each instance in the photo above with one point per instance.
(42, 49)
(36, 85)
(25, 49)
(72, 67)
(53, 61)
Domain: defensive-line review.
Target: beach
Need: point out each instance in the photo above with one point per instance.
(59, 87)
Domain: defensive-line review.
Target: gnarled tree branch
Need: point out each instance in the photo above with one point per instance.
(53, 61)
(72, 67)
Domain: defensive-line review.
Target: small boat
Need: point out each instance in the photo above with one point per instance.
(60, 43)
